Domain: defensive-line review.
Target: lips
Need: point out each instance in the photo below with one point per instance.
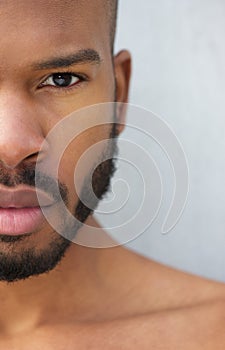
(20, 211)
(24, 198)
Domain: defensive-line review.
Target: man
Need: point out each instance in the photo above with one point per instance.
(56, 58)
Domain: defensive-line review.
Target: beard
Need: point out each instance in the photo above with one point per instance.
(19, 260)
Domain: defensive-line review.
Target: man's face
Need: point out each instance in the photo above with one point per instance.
(55, 58)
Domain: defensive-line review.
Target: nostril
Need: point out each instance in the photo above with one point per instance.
(31, 156)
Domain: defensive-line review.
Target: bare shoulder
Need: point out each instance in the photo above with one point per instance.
(200, 327)
(195, 327)
(191, 328)
(163, 307)
(180, 288)
(166, 286)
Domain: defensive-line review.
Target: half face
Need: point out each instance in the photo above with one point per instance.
(55, 58)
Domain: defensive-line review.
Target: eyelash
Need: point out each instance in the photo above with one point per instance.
(81, 77)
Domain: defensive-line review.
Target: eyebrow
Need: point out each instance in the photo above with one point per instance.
(80, 57)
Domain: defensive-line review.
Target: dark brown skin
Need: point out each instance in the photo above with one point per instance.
(95, 298)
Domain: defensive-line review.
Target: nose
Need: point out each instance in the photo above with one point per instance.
(20, 132)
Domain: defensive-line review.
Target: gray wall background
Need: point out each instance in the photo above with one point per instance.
(178, 51)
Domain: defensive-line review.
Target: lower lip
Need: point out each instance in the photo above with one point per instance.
(19, 221)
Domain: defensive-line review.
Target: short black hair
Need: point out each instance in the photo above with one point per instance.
(113, 10)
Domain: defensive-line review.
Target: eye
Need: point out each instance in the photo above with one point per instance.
(61, 80)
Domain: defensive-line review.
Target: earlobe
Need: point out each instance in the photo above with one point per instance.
(122, 67)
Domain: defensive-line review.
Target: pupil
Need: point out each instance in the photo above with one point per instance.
(62, 79)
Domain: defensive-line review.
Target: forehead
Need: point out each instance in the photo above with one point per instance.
(32, 27)
(60, 12)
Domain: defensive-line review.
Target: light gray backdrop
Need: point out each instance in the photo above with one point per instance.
(178, 51)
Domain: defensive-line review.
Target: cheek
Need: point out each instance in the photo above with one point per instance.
(81, 157)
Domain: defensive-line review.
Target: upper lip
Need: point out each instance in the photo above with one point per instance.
(24, 197)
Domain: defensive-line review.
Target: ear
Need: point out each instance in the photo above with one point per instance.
(122, 68)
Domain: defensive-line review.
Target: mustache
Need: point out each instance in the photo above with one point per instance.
(27, 175)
